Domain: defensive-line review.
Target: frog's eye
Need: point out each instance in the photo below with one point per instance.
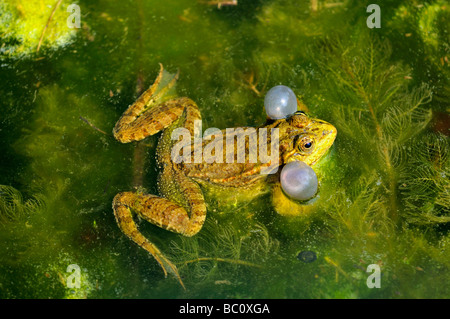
(306, 144)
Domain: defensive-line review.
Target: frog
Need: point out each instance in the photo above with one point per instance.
(180, 206)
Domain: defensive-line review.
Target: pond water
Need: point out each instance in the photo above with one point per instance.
(382, 212)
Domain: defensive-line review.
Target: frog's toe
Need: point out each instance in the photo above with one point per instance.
(169, 267)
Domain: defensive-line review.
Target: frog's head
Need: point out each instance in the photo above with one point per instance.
(305, 139)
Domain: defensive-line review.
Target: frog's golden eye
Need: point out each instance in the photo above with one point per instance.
(306, 144)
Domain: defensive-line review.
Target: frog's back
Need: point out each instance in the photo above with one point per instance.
(229, 158)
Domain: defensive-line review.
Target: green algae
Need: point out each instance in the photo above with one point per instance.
(384, 186)
(28, 26)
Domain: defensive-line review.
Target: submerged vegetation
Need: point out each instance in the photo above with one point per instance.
(384, 187)
(27, 26)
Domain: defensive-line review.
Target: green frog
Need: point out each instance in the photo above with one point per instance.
(181, 207)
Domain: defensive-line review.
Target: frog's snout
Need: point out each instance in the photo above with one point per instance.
(325, 136)
(328, 133)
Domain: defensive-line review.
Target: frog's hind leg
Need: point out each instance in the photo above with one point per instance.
(163, 213)
(122, 204)
(153, 111)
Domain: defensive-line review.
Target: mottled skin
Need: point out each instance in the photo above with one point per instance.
(181, 207)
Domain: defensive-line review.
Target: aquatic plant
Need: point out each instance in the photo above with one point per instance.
(221, 245)
(21, 251)
(13, 208)
(375, 109)
(423, 27)
(383, 187)
(28, 26)
(424, 185)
